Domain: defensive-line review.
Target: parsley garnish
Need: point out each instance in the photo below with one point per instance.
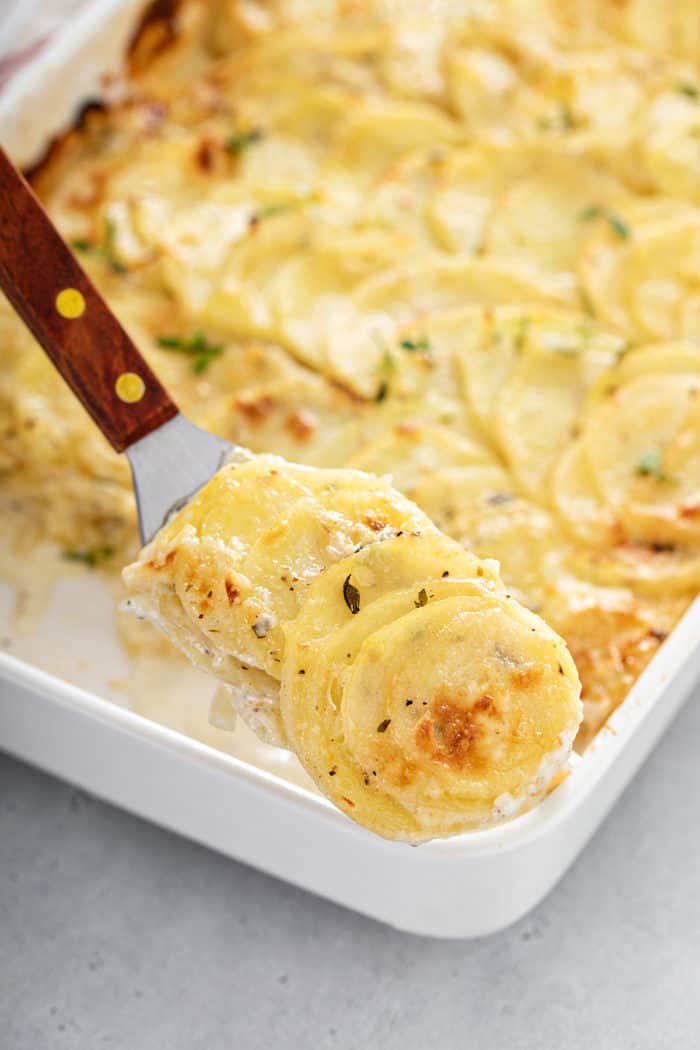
(109, 250)
(387, 363)
(568, 120)
(416, 346)
(269, 210)
(689, 90)
(650, 466)
(197, 347)
(616, 224)
(619, 228)
(241, 140)
(564, 119)
(106, 251)
(593, 211)
(382, 391)
(89, 558)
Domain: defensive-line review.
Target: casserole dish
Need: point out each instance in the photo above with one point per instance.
(255, 804)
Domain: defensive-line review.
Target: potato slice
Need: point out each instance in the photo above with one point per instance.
(640, 270)
(643, 444)
(538, 217)
(537, 408)
(436, 709)
(477, 505)
(409, 452)
(577, 502)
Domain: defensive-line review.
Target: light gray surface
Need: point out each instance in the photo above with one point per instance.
(114, 933)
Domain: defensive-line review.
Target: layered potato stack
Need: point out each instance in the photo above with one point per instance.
(454, 243)
(420, 696)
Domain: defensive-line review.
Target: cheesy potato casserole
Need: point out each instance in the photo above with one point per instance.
(456, 243)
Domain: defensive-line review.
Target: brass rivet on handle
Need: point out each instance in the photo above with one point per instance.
(130, 387)
(70, 303)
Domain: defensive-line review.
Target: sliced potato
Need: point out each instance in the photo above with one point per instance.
(478, 506)
(459, 760)
(409, 452)
(640, 270)
(537, 407)
(643, 444)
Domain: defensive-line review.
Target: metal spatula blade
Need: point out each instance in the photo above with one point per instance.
(168, 466)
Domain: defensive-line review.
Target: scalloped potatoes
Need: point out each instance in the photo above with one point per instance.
(458, 246)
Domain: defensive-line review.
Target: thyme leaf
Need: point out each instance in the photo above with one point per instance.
(351, 596)
(241, 140)
(650, 466)
(422, 598)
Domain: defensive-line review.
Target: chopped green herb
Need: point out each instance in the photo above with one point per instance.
(387, 363)
(650, 466)
(241, 140)
(89, 558)
(689, 90)
(382, 391)
(567, 351)
(616, 224)
(197, 347)
(278, 208)
(564, 119)
(620, 228)
(351, 596)
(106, 251)
(383, 726)
(268, 211)
(422, 598)
(416, 346)
(109, 250)
(566, 114)
(593, 211)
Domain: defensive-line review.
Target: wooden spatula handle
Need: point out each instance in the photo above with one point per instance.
(56, 299)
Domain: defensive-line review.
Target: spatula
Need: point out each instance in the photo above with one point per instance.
(170, 457)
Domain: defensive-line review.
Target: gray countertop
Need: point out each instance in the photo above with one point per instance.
(114, 933)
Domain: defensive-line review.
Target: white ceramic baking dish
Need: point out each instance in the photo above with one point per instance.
(255, 804)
